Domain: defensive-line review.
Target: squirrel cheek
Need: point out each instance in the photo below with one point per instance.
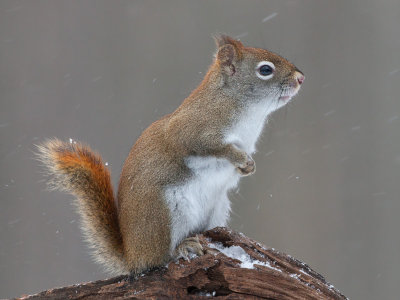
(293, 83)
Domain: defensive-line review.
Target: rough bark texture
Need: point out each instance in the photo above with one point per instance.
(262, 273)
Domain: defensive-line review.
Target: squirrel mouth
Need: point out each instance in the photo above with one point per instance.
(285, 98)
(289, 94)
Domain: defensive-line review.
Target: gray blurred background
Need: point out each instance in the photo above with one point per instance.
(327, 185)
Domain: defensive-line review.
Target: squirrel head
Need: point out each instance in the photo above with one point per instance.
(255, 74)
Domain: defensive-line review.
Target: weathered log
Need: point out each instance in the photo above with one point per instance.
(234, 267)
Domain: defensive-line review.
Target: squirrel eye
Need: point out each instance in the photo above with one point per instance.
(265, 70)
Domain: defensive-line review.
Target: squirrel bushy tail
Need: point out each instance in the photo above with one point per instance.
(75, 168)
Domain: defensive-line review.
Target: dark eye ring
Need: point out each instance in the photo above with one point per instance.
(265, 70)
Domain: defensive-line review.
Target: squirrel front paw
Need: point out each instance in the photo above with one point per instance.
(248, 168)
(188, 247)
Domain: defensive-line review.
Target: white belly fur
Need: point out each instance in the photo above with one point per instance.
(202, 202)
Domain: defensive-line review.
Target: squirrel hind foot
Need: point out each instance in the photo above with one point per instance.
(189, 248)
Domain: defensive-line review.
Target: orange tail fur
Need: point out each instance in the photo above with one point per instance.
(78, 170)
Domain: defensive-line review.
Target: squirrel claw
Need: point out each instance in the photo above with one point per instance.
(189, 247)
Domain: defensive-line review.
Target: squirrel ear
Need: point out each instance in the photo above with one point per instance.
(226, 55)
(223, 39)
(229, 51)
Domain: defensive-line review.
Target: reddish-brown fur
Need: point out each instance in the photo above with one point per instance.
(77, 169)
(136, 235)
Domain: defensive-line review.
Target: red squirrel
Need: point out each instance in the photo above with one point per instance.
(175, 180)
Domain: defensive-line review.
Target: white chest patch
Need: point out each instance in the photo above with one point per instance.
(246, 131)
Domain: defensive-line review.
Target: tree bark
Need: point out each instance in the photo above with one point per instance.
(233, 267)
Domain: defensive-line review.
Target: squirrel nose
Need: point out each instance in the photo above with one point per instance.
(300, 77)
